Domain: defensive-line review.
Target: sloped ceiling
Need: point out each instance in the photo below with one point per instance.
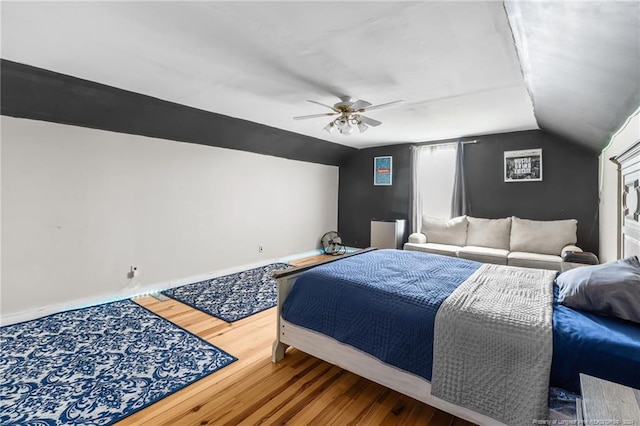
(454, 63)
(581, 62)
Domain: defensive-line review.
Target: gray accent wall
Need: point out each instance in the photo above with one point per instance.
(569, 188)
(359, 201)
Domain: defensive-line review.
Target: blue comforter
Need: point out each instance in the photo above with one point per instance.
(384, 303)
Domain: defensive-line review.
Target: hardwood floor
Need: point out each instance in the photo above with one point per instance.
(299, 390)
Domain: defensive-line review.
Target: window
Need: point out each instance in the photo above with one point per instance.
(439, 188)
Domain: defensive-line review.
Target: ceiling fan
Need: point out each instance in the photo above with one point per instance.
(349, 115)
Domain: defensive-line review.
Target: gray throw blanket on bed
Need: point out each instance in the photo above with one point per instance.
(493, 344)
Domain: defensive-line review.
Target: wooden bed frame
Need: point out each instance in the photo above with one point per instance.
(628, 163)
(354, 360)
(365, 365)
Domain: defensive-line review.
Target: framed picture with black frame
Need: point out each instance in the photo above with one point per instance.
(383, 170)
(523, 166)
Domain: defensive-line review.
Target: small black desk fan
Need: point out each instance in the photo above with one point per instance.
(332, 243)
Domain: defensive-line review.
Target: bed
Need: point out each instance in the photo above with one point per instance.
(335, 314)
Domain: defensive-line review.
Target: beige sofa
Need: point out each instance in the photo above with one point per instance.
(509, 241)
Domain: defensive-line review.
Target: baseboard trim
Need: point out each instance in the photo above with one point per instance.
(145, 290)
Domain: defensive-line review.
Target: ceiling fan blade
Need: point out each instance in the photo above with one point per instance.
(360, 104)
(370, 121)
(388, 104)
(304, 117)
(321, 104)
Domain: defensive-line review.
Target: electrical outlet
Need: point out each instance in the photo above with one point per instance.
(260, 248)
(134, 272)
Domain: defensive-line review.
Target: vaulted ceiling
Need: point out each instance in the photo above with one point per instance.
(462, 68)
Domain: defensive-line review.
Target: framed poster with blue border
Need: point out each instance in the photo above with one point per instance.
(382, 170)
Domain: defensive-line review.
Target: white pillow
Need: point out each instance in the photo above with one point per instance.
(494, 233)
(445, 231)
(542, 236)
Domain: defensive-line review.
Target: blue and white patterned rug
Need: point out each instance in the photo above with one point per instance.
(97, 365)
(232, 297)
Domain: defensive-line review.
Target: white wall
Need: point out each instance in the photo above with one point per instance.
(80, 206)
(609, 188)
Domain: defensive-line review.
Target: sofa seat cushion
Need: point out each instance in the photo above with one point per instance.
(542, 236)
(494, 233)
(445, 231)
(445, 249)
(534, 260)
(484, 254)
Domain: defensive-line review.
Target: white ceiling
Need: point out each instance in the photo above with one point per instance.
(454, 63)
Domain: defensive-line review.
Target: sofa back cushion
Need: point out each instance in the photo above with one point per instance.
(542, 236)
(493, 233)
(445, 231)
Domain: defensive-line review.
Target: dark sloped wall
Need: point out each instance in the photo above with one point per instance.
(39, 94)
(569, 189)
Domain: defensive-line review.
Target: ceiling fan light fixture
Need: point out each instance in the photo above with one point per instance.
(346, 128)
(362, 127)
(329, 127)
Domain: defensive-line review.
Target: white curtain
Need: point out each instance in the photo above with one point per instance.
(433, 174)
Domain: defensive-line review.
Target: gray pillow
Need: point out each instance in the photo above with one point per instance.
(611, 289)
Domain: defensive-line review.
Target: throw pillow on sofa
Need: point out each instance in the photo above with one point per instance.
(445, 231)
(542, 236)
(493, 233)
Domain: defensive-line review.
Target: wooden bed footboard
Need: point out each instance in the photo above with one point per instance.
(285, 280)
